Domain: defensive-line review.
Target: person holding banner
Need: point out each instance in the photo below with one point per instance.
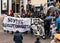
(11, 13)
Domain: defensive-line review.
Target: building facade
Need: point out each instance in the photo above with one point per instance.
(6, 5)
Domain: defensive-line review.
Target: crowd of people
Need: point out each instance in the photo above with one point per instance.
(43, 13)
(18, 38)
(50, 25)
(33, 11)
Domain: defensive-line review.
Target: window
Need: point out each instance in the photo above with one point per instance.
(15, 6)
(4, 6)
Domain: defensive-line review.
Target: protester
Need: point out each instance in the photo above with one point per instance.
(18, 37)
(55, 14)
(31, 30)
(28, 6)
(57, 4)
(54, 3)
(41, 8)
(47, 24)
(11, 13)
(50, 14)
(45, 8)
(42, 16)
(56, 38)
(26, 14)
(22, 11)
(31, 15)
(53, 29)
(37, 40)
(32, 9)
(47, 28)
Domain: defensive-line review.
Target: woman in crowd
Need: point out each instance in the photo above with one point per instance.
(53, 30)
(11, 13)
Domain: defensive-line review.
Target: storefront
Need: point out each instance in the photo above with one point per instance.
(4, 7)
(7, 5)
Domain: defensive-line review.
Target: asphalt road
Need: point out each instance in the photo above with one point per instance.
(8, 38)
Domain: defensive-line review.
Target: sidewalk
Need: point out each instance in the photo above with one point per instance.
(1, 22)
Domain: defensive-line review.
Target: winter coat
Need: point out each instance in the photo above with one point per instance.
(18, 38)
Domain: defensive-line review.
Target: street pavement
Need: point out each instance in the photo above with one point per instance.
(8, 37)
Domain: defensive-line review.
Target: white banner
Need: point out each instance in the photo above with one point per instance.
(13, 24)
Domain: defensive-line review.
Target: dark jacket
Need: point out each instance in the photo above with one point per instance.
(28, 6)
(31, 30)
(37, 42)
(18, 38)
(41, 8)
